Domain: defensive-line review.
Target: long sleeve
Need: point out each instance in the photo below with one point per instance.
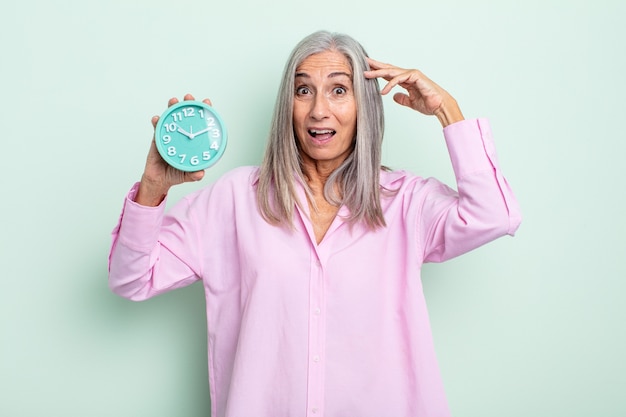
(482, 209)
(145, 242)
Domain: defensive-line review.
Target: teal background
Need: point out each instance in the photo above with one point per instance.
(526, 326)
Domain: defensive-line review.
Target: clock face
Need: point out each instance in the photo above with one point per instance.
(190, 136)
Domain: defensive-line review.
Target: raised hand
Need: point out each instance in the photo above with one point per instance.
(422, 94)
(158, 176)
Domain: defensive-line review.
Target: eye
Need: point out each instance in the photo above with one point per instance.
(303, 90)
(339, 91)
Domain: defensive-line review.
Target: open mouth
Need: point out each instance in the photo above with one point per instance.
(322, 134)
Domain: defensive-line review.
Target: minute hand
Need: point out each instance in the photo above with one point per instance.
(193, 135)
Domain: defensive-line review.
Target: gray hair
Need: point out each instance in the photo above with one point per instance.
(358, 177)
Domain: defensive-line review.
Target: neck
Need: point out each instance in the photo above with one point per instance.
(316, 176)
(316, 172)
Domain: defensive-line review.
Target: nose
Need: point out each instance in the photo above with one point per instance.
(320, 107)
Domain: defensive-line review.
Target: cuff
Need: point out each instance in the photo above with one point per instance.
(141, 224)
(471, 147)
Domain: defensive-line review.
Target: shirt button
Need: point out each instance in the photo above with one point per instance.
(314, 410)
(316, 358)
(318, 263)
(317, 311)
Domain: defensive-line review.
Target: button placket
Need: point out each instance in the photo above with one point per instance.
(316, 339)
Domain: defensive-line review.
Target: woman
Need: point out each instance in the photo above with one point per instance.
(311, 262)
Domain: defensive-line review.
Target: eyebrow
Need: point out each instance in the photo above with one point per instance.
(331, 75)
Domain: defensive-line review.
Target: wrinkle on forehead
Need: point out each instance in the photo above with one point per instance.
(330, 64)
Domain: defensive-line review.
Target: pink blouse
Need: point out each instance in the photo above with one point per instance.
(300, 329)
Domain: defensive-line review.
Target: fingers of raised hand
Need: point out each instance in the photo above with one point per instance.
(174, 100)
(375, 65)
(394, 75)
(194, 176)
(186, 97)
(381, 70)
(404, 78)
(402, 99)
(191, 97)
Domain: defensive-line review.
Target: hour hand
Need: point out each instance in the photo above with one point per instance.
(184, 132)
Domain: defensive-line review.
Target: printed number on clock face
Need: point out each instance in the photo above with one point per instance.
(190, 137)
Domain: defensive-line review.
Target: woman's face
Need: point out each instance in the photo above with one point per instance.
(324, 109)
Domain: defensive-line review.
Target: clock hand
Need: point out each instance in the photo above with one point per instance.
(202, 131)
(191, 134)
(184, 132)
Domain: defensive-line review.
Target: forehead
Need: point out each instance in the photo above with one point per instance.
(324, 64)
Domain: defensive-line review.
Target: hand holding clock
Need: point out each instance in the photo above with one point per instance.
(158, 176)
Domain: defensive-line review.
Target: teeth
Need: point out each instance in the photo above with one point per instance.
(321, 132)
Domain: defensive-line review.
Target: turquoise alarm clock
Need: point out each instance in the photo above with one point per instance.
(190, 136)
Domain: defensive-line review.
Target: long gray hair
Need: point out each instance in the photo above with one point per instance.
(355, 183)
